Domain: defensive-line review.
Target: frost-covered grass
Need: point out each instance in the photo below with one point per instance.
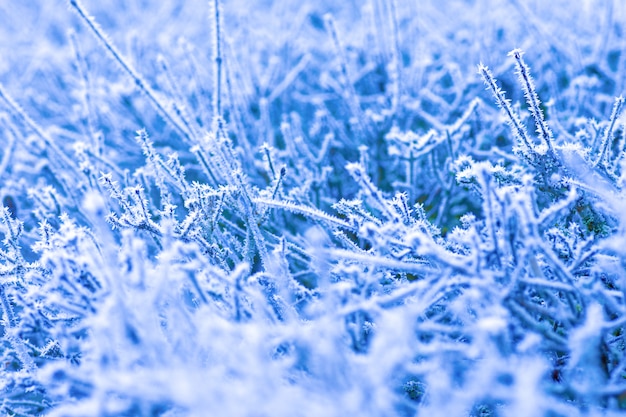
(313, 208)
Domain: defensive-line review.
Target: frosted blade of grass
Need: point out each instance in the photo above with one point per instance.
(289, 78)
(357, 171)
(139, 81)
(536, 326)
(558, 207)
(608, 132)
(542, 282)
(382, 262)
(395, 65)
(309, 212)
(83, 71)
(181, 111)
(532, 99)
(513, 119)
(346, 76)
(216, 11)
(462, 120)
(10, 148)
(9, 315)
(17, 110)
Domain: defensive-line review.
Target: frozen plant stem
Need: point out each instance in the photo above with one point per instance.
(141, 84)
(6, 306)
(505, 105)
(279, 180)
(266, 150)
(396, 56)
(11, 135)
(217, 58)
(25, 118)
(306, 211)
(180, 111)
(532, 99)
(83, 71)
(606, 140)
(14, 230)
(347, 78)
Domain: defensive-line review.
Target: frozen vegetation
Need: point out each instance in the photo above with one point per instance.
(265, 208)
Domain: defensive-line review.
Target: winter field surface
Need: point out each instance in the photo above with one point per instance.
(306, 208)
